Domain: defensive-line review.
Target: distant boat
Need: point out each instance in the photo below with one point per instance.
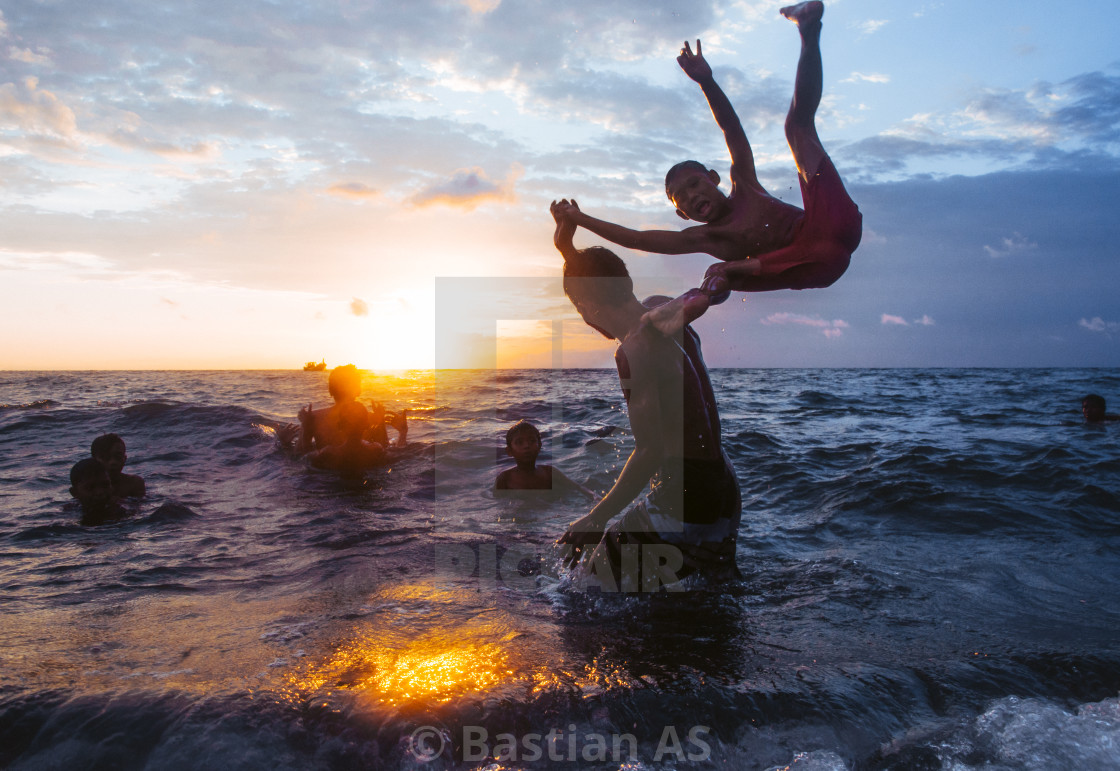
(313, 367)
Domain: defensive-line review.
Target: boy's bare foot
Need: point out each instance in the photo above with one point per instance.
(804, 14)
(671, 317)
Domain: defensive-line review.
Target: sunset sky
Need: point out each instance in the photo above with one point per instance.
(251, 185)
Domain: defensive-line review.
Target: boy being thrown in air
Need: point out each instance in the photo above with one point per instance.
(765, 244)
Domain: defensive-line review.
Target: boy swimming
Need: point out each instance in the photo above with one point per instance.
(1095, 409)
(321, 428)
(353, 454)
(109, 450)
(764, 243)
(92, 488)
(523, 443)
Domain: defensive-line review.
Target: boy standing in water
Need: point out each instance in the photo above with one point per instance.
(92, 488)
(109, 450)
(352, 455)
(688, 519)
(765, 244)
(523, 443)
(323, 427)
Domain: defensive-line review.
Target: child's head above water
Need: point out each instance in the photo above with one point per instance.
(1093, 407)
(523, 442)
(110, 450)
(90, 483)
(345, 383)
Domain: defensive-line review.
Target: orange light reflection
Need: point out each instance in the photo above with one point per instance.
(428, 670)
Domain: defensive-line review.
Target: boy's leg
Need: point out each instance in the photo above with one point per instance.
(801, 129)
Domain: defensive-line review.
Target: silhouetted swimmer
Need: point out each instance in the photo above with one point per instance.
(764, 243)
(523, 444)
(319, 428)
(92, 487)
(353, 454)
(110, 450)
(689, 517)
(1094, 409)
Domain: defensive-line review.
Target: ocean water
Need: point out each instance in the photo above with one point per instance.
(930, 560)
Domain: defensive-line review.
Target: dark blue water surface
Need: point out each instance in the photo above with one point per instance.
(930, 560)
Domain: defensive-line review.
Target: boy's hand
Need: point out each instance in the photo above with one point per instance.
(694, 64)
(305, 414)
(564, 212)
(287, 434)
(581, 534)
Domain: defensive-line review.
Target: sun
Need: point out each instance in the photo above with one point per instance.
(395, 335)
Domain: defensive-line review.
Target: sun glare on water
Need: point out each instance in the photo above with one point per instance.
(432, 670)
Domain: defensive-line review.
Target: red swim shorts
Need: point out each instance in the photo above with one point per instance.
(822, 247)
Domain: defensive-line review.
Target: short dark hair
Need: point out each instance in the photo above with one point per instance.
(522, 427)
(344, 379)
(1093, 400)
(597, 262)
(102, 444)
(682, 166)
(85, 469)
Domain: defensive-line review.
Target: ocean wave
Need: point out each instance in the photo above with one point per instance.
(38, 404)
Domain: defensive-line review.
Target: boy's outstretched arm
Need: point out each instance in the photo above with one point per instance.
(687, 241)
(742, 158)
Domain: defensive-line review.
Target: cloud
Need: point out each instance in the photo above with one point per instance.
(888, 319)
(1044, 125)
(871, 26)
(870, 77)
(467, 188)
(80, 263)
(482, 6)
(24, 107)
(828, 328)
(359, 307)
(1097, 324)
(129, 139)
(1015, 244)
(27, 56)
(356, 190)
